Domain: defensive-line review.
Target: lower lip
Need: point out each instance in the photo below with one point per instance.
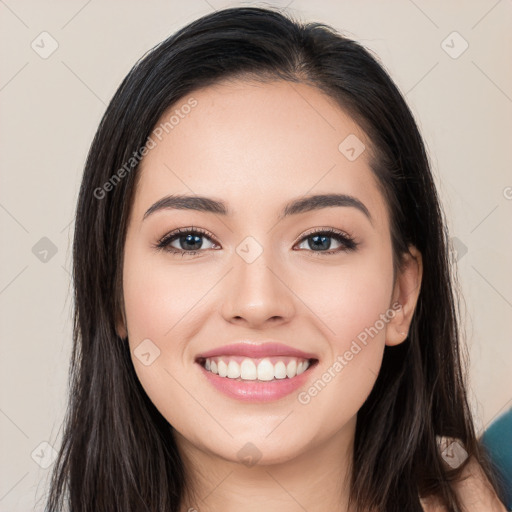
(254, 390)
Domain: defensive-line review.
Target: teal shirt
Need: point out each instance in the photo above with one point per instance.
(497, 441)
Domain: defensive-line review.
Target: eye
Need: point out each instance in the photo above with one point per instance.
(187, 240)
(319, 241)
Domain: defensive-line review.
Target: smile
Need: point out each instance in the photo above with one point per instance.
(261, 369)
(256, 380)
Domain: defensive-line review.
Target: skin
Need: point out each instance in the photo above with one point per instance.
(473, 491)
(257, 146)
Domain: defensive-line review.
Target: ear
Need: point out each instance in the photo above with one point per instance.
(121, 329)
(405, 295)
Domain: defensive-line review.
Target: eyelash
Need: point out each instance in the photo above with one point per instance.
(349, 244)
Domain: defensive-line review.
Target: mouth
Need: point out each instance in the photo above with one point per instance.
(248, 369)
(257, 372)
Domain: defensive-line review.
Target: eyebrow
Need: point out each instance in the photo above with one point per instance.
(294, 207)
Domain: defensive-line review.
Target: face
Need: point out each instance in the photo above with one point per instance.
(258, 275)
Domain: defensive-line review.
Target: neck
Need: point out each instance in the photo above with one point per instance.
(316, 479)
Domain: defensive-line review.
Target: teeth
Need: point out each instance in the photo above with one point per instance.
(233, 370)
(255, 369)
(280, 370)
(291, 368)
(265, 370)
(223, 369)
(248, 370)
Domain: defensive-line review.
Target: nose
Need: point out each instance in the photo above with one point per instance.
(258, 293)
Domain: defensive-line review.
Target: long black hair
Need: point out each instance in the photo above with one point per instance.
(118, 452)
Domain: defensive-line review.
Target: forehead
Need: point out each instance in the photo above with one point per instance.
(256, 144)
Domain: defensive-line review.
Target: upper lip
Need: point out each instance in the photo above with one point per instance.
(256, 350)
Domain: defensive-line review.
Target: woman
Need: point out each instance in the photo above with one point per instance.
(265, 317)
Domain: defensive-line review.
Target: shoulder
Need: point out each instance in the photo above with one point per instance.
(432, 504)
(473, 490)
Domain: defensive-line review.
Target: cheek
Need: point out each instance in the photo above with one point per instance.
(156, 296)
(159, 305)
(156, 299)
(349, 298)
(353, 313)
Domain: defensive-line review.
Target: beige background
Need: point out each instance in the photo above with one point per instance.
(50, 108)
